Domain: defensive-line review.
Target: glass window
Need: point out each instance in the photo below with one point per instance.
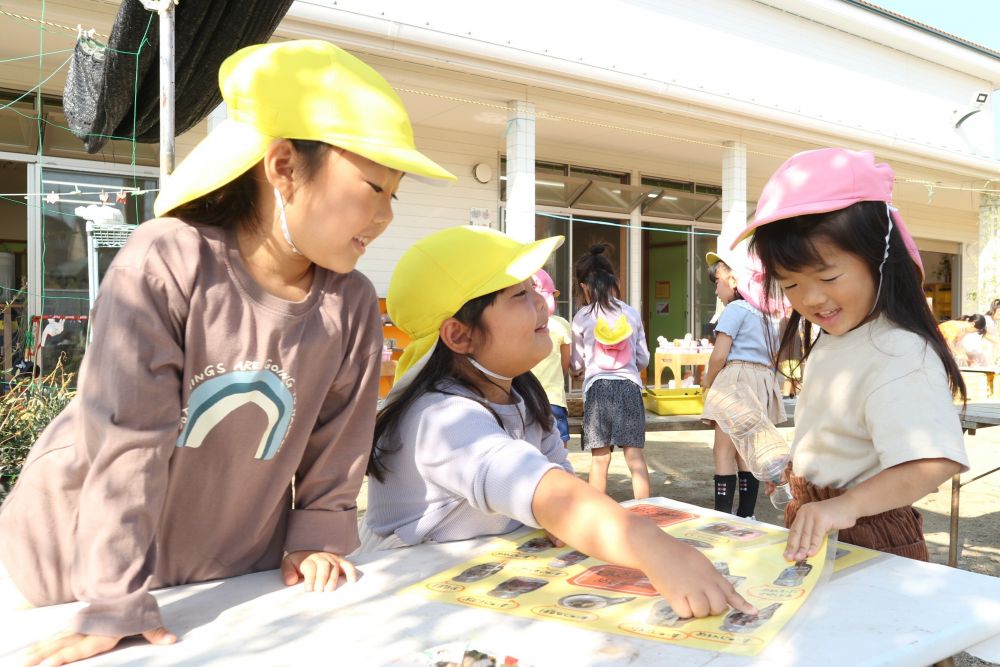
(682, 200)
(558, 264)
(73, 198)
(679, 205)
(665, 297)
(587, 234)
(566, 186)
(705, 301)
(18, 127)
(601, 175)
(58, 141)
(613, 198)
(561, 191)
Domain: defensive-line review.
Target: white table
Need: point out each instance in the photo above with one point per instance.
(888, 611)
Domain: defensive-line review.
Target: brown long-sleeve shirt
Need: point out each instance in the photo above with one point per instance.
(200, 397)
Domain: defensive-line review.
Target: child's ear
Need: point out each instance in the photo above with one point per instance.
(457, 336)
(279, 167)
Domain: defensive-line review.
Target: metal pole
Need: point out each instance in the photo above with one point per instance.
(953, 546)
(166, 90)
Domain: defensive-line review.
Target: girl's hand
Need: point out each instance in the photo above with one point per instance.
(692, 586)
(320, 570)
(814, 521)
(68, 647)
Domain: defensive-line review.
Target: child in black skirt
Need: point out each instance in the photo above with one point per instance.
(609, 349)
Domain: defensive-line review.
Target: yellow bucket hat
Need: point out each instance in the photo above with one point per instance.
(442, 271)
(612, 334)
(303, 89)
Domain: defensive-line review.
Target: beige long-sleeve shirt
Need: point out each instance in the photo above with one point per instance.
(200, 397)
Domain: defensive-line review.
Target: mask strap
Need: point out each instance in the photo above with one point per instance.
(485, 371)
(885, 256)
(284, 222)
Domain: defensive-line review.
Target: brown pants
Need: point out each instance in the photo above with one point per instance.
(899, 531)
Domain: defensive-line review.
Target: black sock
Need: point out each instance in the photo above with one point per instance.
(725, 491)
(748, 494)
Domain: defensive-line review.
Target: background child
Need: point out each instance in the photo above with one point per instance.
(953, 332)
(992, 336)
(609, 347)
(745, 342)
(551, 371)
(974, 346)
(875, 427)
(234, 349)
(465, 445)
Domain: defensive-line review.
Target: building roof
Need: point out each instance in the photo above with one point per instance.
(905, 20)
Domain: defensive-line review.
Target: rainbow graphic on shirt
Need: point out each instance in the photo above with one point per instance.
(215, 399)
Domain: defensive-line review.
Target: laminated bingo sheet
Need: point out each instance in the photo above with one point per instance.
(529, 576)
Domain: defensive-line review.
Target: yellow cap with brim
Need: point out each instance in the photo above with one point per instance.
(612, 334)
(443, 271)
(302, 89)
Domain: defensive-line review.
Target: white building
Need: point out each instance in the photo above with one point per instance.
(639, 123)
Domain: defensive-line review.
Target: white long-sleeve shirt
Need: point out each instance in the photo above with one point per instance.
(583, 355)
(459, 474)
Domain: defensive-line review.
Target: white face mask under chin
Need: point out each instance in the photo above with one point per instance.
(280, 203)
(485, 371)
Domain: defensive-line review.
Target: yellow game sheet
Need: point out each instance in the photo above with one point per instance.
(528, 576)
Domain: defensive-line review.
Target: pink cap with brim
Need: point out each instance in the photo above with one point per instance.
(543, 282)
(749, 275)
(825, 180)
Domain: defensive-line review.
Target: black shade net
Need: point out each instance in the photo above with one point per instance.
(103, 85)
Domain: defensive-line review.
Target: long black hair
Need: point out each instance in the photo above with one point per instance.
(977, 321)
(235, 203)
(443, 364)
(859, 229)
(596, 272)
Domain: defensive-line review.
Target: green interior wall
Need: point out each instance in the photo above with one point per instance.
(667, 262)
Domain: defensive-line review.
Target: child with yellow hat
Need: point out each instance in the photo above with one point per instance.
(234, 349)
(746, 340)
(466, 445)
(609, 349)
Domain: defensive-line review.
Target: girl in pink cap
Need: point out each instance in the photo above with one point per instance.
(876, 428)
(551, 371)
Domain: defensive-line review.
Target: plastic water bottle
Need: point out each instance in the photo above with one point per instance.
(740, 415)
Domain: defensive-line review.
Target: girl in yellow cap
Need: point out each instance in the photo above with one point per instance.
(609, 349)
(466, 445)
(234, 350)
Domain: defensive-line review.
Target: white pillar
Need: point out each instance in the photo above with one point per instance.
(734, 192)
(521, 171)
(988, 284)
(635, 258)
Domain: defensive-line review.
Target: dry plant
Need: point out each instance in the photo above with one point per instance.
(25, 410)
